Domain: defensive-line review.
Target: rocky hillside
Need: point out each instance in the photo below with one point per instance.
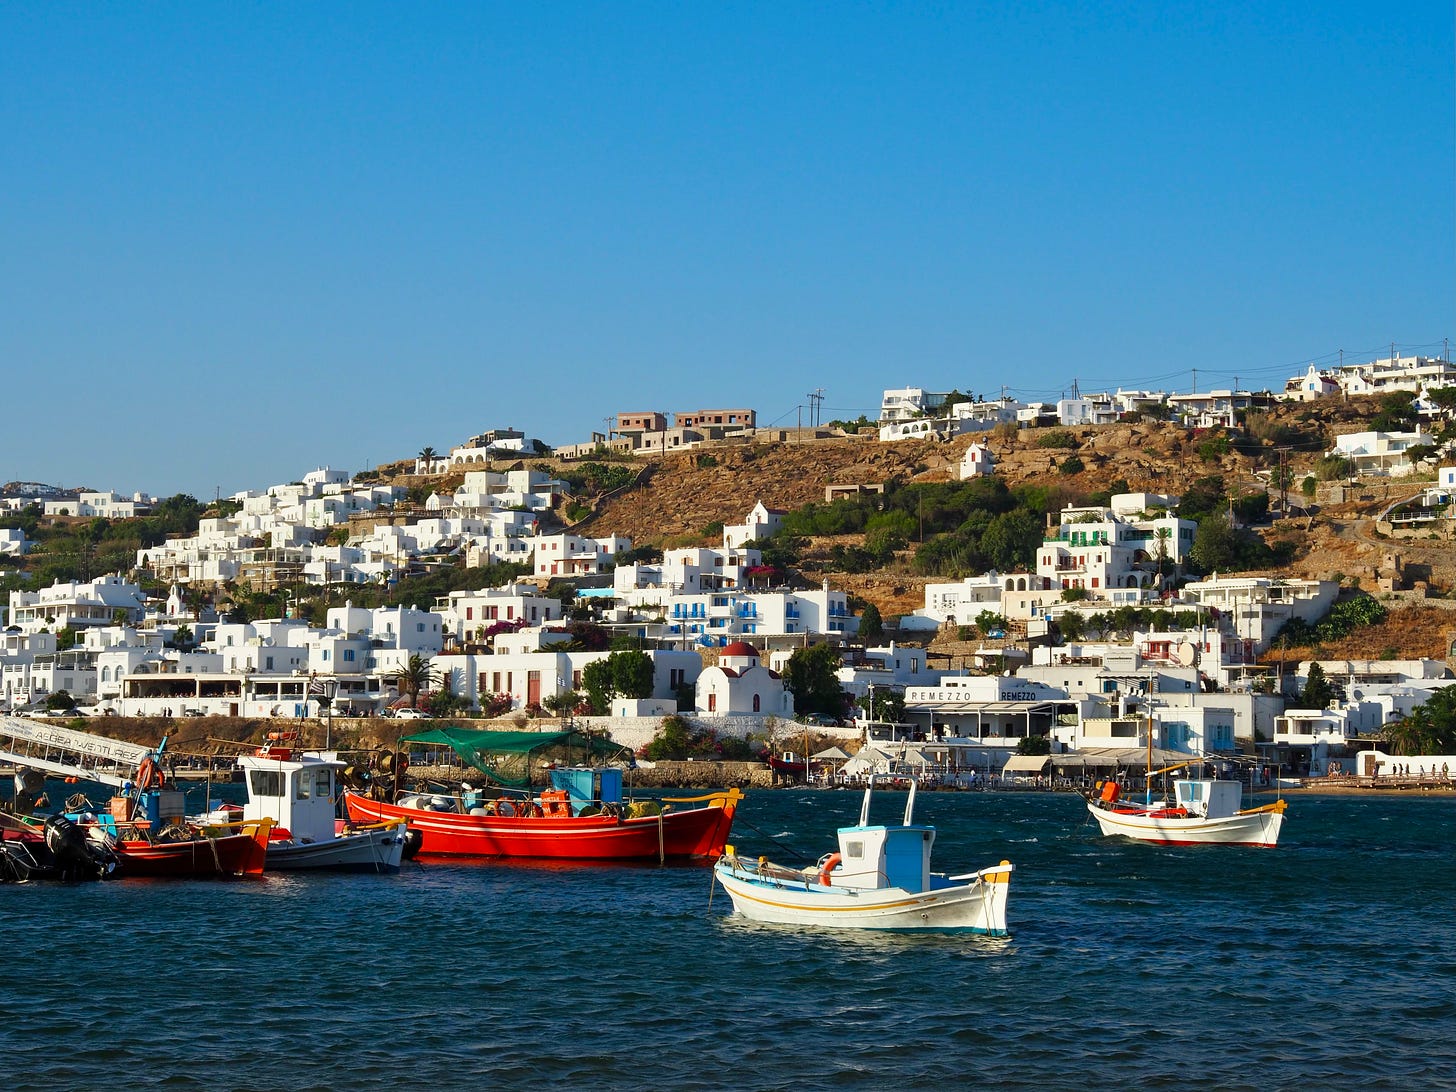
(684, 498)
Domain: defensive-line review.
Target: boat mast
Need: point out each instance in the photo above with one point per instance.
(1149, 780)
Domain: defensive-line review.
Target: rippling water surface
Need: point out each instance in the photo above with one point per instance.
(1331, 960)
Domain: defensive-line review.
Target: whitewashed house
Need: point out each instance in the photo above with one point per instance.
(977, 462)
(574, 555)
(1255, 608)
(77, 604)
(761, 523)
(1311, 386)
(1384, 454)
(1098, 550)
(959, 602)
(469, 614)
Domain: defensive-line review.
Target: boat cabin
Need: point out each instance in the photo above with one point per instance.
(885, 856)
(586, 785)
(1209, 799)
(295, 791)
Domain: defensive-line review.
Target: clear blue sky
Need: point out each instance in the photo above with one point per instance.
(244, 240)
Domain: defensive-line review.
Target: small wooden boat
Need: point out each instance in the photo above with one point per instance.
(1204, 811)
(186, 851)
(147, 829)
(880, 878)
(297, 791)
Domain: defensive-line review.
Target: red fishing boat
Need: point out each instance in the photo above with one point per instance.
(582, 816)
(151, 836)
(194, 852)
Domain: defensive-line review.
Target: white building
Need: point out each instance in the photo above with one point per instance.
(739, 684)
(574, 555)
(1398, 373)
(76, 605)
(977, 462)
(1311, 386)
(1380, 453)
(959, 602)
(469, 615)
(762, 522)
(1255, 608)
(1098, 550)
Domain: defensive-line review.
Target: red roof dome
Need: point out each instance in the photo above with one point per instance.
(739, 648)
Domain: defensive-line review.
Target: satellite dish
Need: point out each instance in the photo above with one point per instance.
(1186, 653)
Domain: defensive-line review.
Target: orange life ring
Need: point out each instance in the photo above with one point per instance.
(149, 775)
(830, 864)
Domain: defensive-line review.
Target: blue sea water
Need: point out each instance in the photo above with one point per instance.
(1328, 961)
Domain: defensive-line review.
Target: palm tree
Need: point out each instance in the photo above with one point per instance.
(414, 676)
(428, 456)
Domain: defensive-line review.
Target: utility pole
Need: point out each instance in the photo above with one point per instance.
(816, 401)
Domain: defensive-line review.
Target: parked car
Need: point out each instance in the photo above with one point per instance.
(412, 714)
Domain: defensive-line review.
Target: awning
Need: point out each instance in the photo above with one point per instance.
(1025, 763)
(831, 754)
(1134, 756)
(980, 706)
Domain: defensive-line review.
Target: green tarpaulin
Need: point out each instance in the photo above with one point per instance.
(504, 756)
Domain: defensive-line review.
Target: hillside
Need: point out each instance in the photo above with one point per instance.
(686, 496)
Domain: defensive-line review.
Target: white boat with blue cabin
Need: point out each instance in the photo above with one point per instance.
(880, 878)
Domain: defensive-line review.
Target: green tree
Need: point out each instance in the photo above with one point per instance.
(1034, 745)
(1430, 729)
(871, 626)
(988, 621)
(1011, 540)
(889, 704)
(627, 674)
(1214, 547)
(1317, 693)
(596, 680)
(1204, 497)
(632, 674)
(810, 677)
(563, 704)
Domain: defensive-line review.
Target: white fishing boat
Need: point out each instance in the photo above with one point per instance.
(298, 791)
(1203, 811)
(880, 878)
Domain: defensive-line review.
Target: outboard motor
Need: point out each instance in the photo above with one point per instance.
(75, 856)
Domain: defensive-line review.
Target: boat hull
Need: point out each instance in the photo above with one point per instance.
(241, 854)
(696, 832)
(375, 850)
(976, 907)
(1249, 828)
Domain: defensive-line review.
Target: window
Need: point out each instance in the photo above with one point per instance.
(349, 655)
(266, 782)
